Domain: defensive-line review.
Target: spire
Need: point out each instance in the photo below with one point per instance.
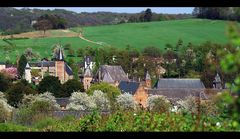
(59, 54)
(147, 76)
(27, 66)
(217, 79)
(88, 72)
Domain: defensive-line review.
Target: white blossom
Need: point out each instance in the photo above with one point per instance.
(154, 100)
(126, 101)
(189, 104)
(46, 97)
(81, 101)
(101, 100)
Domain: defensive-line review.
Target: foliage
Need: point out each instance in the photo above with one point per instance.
(81, 101)
(15, 94)
(71, 86)
(4, 82)
(5, 109)
(51, 84)
(101, 100)
(126, 102)
(158, 103)
(10, 72)
(152, 51)
(111, 91)
(21, 65)
(189, 104)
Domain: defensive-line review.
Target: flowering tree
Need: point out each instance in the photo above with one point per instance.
(10, 72)
(5, 108)
(188, 105)
(126, 101)
(101, 100)
(81, 101)
(158, 103)
(45, 97)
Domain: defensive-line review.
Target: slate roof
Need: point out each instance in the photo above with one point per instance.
(27, 66)
(179, 83)
(68, 69)
(43, 63)
(59, 54)
(62, 101)
(111, 73)
(178, 93)
(128, 87)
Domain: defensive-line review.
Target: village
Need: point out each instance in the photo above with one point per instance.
(173, 88)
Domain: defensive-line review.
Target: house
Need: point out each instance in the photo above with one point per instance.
(137, 89)
(58, 68)
(111, 74)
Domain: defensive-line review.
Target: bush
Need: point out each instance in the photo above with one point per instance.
(81, 101)
(158, 103)
(10, 127)
(5, 109)
(101, 100)
(36, 111)
(51, 84)
(4, 83)
(71, 86)
(126, 102)
(45, 123)
(16, 93)
(188, 105)
(111, 91)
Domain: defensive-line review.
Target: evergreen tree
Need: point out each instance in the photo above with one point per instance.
(21, 65)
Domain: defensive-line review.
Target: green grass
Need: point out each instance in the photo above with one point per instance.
(159, 33)
(138, 35)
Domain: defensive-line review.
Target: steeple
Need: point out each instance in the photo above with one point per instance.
(147, 76)
(88, 72)
(27, 73)
(148, 80)
(217, 82)
(87, 78)
(59, 54)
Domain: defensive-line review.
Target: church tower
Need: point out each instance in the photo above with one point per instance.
(27, 73)
(148, 80)
(60, 65)
(87, 78)
(217, 82)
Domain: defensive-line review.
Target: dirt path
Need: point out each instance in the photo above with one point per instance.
(99, 43)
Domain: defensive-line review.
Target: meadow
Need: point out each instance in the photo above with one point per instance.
(138, 35)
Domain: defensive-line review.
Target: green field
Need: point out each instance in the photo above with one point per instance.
(138, 35)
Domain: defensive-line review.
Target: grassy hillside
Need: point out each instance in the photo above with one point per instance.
(137, 35)
(159, 33)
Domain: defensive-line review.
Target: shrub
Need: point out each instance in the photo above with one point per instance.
(111, 91)
(101, 100)
(45, 123)
(5, 109)
(49, 98)
(71, 86)
(126, 102)
(158, 103)
(36, 111)
(81, 101)
(51, 84)
(10, 127)
(188, 105)
(4, 82)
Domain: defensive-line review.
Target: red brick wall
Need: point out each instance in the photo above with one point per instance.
(60, 70)
(141, 96)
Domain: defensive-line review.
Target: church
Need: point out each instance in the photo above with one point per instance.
(58, 68)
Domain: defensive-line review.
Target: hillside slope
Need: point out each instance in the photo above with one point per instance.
(159, 33)
(138, 35)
